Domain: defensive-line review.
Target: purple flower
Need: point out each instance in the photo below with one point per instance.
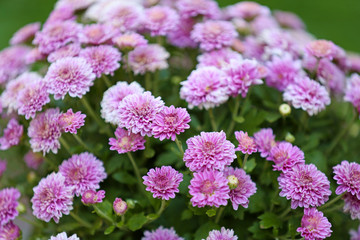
(289, 20)
(126, 141)
(160, 20)
(308, 95)
(179, 36)
(163, 182)
(92, 197)
(322, 49)
(314, 225)
(347, 176)
(12, 134)
(34, 55)
(161, 234)
(247, 10)
(246, 144)
(97, 34)
(223, 234)
(33, 160)
(331, 75)
(205, 87)
(44, 131)
(129, 41)
(72, 75)
(218, 58)
(353, 62)
(70, 50)
(61, 13)
(63, 236)
(305, 185)
(352, 205)
(25, 33)
(136, 112)
(214, 34)
(103, 59)
(209, 151)
(12, 62)
(82, 172)
(265, 141)
(285, 156)
(352, 91)
(190, 8)
(52, 198)
(3, 165)
(355, 235)
(119, 206)
(9, 231)
(71, 122)
(75, 4)
(209, 188)
(8, 203)
(240, 194)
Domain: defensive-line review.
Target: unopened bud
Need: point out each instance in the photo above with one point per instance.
(131, 203)
(92, 197)
(31, 177)
(289, 137)
(21, 208)
(233, 181)
(285, 109)
(119, 206)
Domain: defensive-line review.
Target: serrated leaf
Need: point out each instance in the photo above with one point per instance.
(124, 177)
(250, 165)
(136, 221)
(211, 212)
(109, 230)
(269, 220)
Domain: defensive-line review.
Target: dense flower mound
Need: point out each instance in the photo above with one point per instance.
(161, 234)
(126, 141)
(63, 236)
(314, 225)
(224, 234)
(8, 203)
(347, 176)
(285, 156)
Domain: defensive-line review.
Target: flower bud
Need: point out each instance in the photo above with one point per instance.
(131, 203)
(289, 137)
(285, 109)
(21, 208)
(92, 197)
(31, 177)
(233, 181)
(119, 206)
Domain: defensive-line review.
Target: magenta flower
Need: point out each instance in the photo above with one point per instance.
(163, 182)
(12, 134)
(25, 33)
(285, 156)
(352, 205)
(129, 41)
(8, 203)
(92, 197)
(34, 55)
(126, 141)
(205, 88)
(214, 34)
(240, 194)
(82, 172)
(72, 75)
(223, 234)
(314, 225)
(33, 160)
(322, 49)
(190, 8)
(218, 58)
(9, 231)
(161, 234)
(70, 50)
(61, 13)
(97, 34)
(347, 176)
(265, 141)
(247, 10)
(209, 188)
(170, 122)
(63, 236)
(71, 122)
(355, 235)
(352, 91)
(12, 62)
(160, 20)
(331, 75)
(180, 36)
(136, 112)
(3, 165)
(305, 185)
(289, 20)
(246, 144)
(209, 151)
(119, 206)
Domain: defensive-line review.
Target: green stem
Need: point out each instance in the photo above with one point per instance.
(212, 120)
(162, 207)
(334, 200)
(128, 69)
(156, 83)
(234, 115)
(218, 215)
(106, 80)
(103, 215)
(80, 220)
(245, 160)
(81, 142)
(148, 81)
(52, 165)
(179, 145)
(283, 214)
(136, 169)
(65, 144)
(35, 224)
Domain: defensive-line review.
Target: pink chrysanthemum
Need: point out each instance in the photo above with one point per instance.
(352, 91)
(113, 96)
(126, 141)
(75, 4)
(314, 226)
(103, 59)
(136, 112)
(322, 49)
(289, 20)
(12, 62)
(82, 172)
(180, 35)
(214, 34)
(285, 156)
(9, 231)
(192, 8)
(223, 234)
(355, 235)
(34, 55)
(33, 160)
(218, 58)
(63, 236)
(44, 131)
(331, 75)
(8, 204)
(70, 50)
(205, 87)
(12, 134)
(61, 14)
(347, 176)
(160, 20)
(245, 188)
(209, 188)
(246, 144)
(25, 33)
(170, 122)
(353, 62)
(352, 205)
(71, 75)
(57, 34)
(92, 197)
(161, 234)
(308, 95)
(240, 75)
(163, 182)
(209, 151)
(265, 141)
(97, 34)
(279, 42)
(305, 185)
(119, 206)
(148, 58)
(129, 41)
(3, 165)
(247, 10)
(71, 122)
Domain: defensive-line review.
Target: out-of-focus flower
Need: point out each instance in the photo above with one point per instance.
(12, 134)
(9, 231)
(160, 20)
(126, 141)
(352, 205)
(192, 8)
(70, 50)
(352, 91)
(97, 34)
(347, 176)
(129, 41)
(63, 236)
(218, 58)
(161, 234)
(8, 203)
(33, 160)
(25, 33)
(12, 62)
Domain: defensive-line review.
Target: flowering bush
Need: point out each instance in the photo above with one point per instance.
(177, 120)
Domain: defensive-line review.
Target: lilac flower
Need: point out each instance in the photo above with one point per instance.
(8, 203)
(129, 41)
(208, 151)
(61, 14)
(265, 141)
(289, 20)
(12, 134)
(75, 4)
(92, 197)
(240, 194)
(322, 49)
(97, 34)
(246, 144)
(3, 164)
(163, 182)
(170, 122)
(213, 34)
(63, 236)
(314, 225)
(71, 75)
(25, 33)
(180, 36)
(205, 88)
(218, 58)
(119, 206)
(192, 8)
(160, 20)
(209, 188)
(82, 172)
(12, 62)
(279, 42)
(33, 56)
(352, 91)
(161, 234)
(70, 50)
(71, 122)
(263, 23)
(330, 75)
(353, 62)
(33, 160)
(347, 176)
(247, 10)
(126, 141)
(355, 235)
(352, 205)
(285, 156)
(223, 234)
(305, 185)
(103, 59)
(9, 231)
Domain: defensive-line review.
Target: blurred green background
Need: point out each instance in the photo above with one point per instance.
(335, 20)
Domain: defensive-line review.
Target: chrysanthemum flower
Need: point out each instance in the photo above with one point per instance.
(322, 49)
(170, 122)
(160, 20)
(352, 205)
(8, 203)
(246, 144)
(3, 165)
(136, 112)
(214, 34)
(353, 62)
(289, 20)
(44, 131)
(71, 122)
(63, 236)
(347, 176)
(126, 141)
(352, 91)
(113, 96)
(210, 150)
(119, 206)
(247, 10)
(12, 62)
(305, 185)
(205, 88)
(223, 234)
(278, 42)
(34, 55)
(163, 182)
(83, 172)
(12, 134)
(33, 160)
(70, 50)
(25, 33)
(209, 188)
(9, 231)
(161, 234)
(218, 58)
(355, 235)
(331, 75)
(97, 34)
(75, 4)
(92, 197)
(314, 225)
(245, 188)
(71, 75)
(308, 95)
(180, 36)
(192, 8)
(285, 156)
(265, 141)
(61, 13)
(129, 41)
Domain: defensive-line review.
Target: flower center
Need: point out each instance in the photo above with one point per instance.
(208, 187)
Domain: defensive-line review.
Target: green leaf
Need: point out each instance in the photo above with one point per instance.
(152, 216)
(250, 165)
(183, 188)
(165, 159)
(239, 119)
(119, 224)
(109, 230)
(104, 210)
(186, 214)
(211, 212)
(204, 230)
(238, 214)
(272, 116)
(257, 232)
(124, 177)
(269, 220)
(136, 221)
(149, 152)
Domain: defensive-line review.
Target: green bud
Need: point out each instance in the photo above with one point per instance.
(285, 109)
(289, 137)
(233, 181)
